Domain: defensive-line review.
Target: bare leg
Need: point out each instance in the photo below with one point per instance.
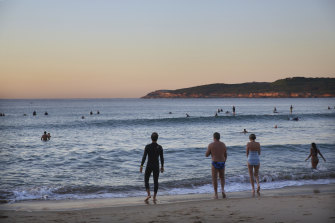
(154, 198)
(215, 182)
(250, 168)
(257, 177)
(149, 196)
(222, 180)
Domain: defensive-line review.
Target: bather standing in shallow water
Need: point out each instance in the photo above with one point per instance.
(253, 152)
(314, 154)
(153, 151)
(218, 151)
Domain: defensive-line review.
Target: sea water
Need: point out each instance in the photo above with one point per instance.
(99, 156)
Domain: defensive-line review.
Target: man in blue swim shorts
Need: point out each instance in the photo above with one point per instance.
(218, 151)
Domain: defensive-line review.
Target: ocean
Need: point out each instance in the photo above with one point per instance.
(99, 156)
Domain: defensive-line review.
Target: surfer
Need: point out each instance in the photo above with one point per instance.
(275, 110)
(44, 137)
(218, 151)
(153, 151)
(314, 151)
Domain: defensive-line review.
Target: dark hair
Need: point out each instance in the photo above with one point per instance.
(45, 132)
(216, 135)
(252, 136)
(154, 136)
(315, 149)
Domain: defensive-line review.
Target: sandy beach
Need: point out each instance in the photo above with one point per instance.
(311, 203)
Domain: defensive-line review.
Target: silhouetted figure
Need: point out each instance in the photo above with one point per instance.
(314, 151)
(291, 109)
(245, 131)
(216, 114)
(221, 110)
(98, 112)
(187, 115)
(46, 113)
(49, 136)
(44, 137)
(34, 113)
(328, 108)
(275, 110)
(82, 117)
(91, 113)
(234, 110)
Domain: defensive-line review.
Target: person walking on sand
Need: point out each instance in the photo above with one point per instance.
(314, 154)
(153, 151)
(253, 152)
(44, 137)
(218, 151)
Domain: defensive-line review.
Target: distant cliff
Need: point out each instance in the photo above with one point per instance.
(297, 87)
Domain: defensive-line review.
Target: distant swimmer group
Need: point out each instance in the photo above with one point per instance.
(46, 136)
(2, 114)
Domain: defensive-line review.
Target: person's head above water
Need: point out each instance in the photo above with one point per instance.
(154, 136)
(252, 136)
(45, 132)
(216, 135)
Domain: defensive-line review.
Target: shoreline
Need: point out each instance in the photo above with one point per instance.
(305, 203)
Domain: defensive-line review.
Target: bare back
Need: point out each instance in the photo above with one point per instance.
(254, 146)
(218, 151)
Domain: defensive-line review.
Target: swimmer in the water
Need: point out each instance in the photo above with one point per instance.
(91, 113)
(314, 151)
(291, 109)
(153, 151)
(218, 151)
(275, 110)
(46, 113)
(44, 137)
(98, 112)
(216, 114)
(34, 113)
(49, 136)
(245, 131)
(233, 110)
(187, 115)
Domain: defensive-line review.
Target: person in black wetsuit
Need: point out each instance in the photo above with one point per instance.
(153, 151)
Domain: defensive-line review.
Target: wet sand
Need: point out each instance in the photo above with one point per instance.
(311, 203)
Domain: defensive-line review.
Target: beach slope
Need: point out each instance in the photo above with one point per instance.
(313, 203)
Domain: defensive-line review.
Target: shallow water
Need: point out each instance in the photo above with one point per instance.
(99, 156)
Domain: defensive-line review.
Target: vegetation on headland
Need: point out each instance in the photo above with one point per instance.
(296, 87)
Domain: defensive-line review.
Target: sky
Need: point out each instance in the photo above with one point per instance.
(126, 49)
